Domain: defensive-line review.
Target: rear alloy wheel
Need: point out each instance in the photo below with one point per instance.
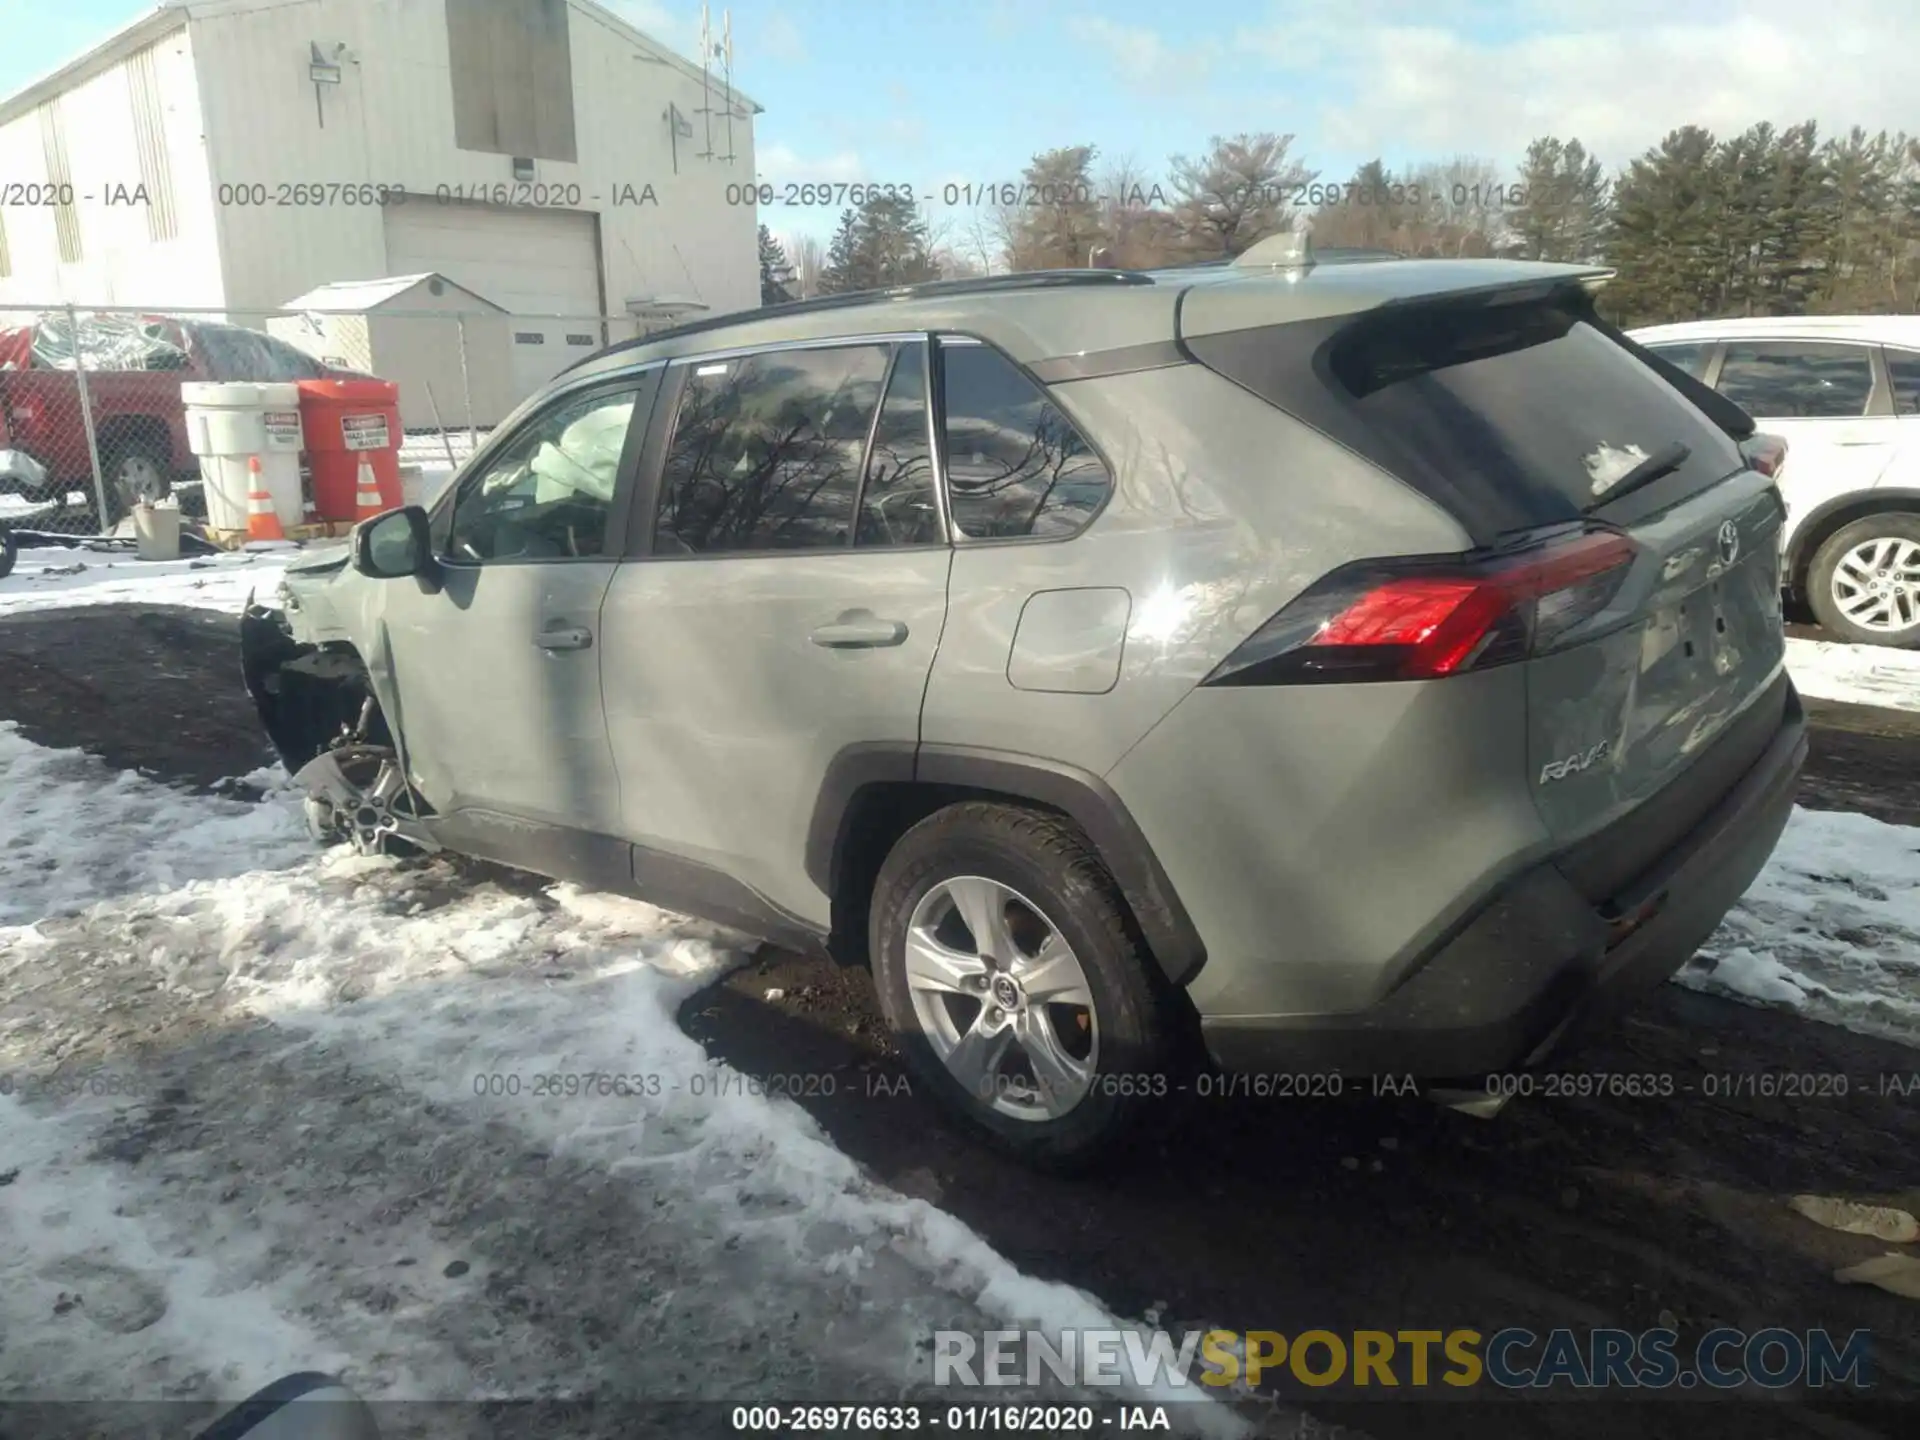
(134, 471)
(358, 794)
(1011, 974)
(1864, 584)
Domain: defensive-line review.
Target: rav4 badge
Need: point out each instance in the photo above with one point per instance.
(1572, 765)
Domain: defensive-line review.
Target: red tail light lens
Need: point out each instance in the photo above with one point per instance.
(1765, 453)
(1426, 619)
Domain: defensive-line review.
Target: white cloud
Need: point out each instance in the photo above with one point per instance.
(781, 165)
(1618, 74)
(777, 38)
(664, 23)
(1142, 58)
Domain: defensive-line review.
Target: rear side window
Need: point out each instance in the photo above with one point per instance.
(767, 449)
(1016, 467)
(1798, 381)
(900, 503)
(1530, 401)
(1903, 367)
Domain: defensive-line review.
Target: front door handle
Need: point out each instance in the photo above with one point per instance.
(867, 634)
(576, 637)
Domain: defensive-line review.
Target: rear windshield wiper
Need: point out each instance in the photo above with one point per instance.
(1662, 462)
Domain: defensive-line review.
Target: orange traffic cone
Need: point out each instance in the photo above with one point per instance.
(262, 522)
(366, 494)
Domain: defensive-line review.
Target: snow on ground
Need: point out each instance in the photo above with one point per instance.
(49, 577)
(56, 799)
(1860, 674)
(433, 1128)
(1831, 928)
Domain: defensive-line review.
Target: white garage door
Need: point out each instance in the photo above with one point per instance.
(531, 262)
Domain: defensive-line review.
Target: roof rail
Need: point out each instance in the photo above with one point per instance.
(1332, 255)
(930, 289)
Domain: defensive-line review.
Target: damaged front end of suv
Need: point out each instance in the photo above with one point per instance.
(325, 711)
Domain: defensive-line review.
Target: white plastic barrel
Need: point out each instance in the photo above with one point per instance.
(229, 423)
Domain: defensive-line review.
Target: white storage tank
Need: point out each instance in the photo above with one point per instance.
(229, 424)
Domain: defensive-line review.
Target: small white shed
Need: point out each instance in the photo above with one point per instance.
(411, 329)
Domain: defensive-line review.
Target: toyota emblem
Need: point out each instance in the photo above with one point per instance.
(1729, 542)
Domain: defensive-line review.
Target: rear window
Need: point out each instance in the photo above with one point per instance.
(1530, 401)
(1510, 416)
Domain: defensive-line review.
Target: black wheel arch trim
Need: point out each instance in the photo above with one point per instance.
(1800, 550)
(1079, 794)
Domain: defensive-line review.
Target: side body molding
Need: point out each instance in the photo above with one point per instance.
(1079, 794)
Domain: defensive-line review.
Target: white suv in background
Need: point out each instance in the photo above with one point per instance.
(1844, 392)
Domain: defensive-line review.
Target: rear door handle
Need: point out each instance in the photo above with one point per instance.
(576, 637)
(860, 634)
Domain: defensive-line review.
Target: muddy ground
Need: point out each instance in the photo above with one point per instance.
(1360, 1213)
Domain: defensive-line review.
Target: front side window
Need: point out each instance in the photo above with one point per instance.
(767, 450)
(1797, 381)
(1016, 467)
(547, 494)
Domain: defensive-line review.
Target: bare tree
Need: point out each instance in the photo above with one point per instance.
(981, 240)
(1464, 206)
(1238, 193)
(1140, 229)
(809, 258)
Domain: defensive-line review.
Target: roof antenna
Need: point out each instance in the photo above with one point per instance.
(1288, 250)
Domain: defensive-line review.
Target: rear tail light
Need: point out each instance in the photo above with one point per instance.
(1425, 619)
(1765, 453)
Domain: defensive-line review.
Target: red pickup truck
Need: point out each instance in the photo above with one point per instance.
(135, 367)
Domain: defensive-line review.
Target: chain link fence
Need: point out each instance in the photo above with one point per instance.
(92, 419)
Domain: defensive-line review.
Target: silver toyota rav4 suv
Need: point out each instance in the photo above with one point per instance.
(1359, 668)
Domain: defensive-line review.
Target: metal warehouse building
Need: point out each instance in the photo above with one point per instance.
(198, 158)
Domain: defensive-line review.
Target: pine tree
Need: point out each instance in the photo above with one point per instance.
(880, 242)
(1561, 214)
(893, 244)
(1862, 223)
(841, 273)
(776, 275)
(1669, 217)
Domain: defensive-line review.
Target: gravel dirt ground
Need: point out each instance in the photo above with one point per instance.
(1358, 1213)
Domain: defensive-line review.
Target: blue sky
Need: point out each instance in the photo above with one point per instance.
(924, 93)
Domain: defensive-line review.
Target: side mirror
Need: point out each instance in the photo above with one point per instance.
(395, 545)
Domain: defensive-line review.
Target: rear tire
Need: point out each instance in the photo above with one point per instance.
(134, 468)
(1089, 1081)
(9, 551)
(1864, 583)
